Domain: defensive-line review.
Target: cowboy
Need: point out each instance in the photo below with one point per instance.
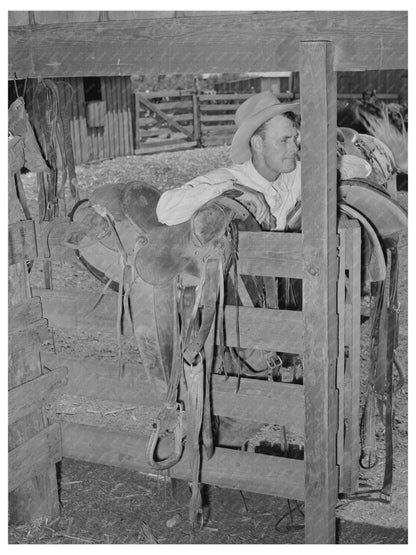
(266, 167)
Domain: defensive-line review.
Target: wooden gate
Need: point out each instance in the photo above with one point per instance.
(166, 120)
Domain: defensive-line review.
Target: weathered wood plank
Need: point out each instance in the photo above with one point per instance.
(216, 117)
(115, 15)
(227, 468)
(270, 254)
(115, 111)
(280, 403)
(229, 96)
(153, 122)
(196, 117)
(176, 104)
(23, 353)
(24, 398)
(72, 309)
(24, 314)
(224, 44)
(99, 379)
(22, 242)
(264, 329)
(229, 129)
(352, 360)
(24, 428)
(209, 108)
(340, 370)
(318, 110)
(168, 93)
(36, 498)
(34, 456)
(159, 131)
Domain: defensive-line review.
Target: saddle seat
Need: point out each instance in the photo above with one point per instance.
(161, 252)
(347, 135)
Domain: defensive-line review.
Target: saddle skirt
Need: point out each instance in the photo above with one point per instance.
(380, 216)
(156, 252)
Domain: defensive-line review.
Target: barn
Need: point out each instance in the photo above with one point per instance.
(100, 107)
(325, 255)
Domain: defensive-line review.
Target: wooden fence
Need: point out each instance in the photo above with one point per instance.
(34, 444)
(182, 119)
(257, 400)
(175, 120)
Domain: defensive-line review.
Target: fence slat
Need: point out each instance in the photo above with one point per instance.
(70, 309)
(282, 403)
(23, 398)
(35, 455)
(257, 473)
(22, 242)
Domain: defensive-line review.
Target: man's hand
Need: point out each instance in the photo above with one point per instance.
(255, 202)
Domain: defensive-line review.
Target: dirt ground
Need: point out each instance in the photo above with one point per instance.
(108, 505)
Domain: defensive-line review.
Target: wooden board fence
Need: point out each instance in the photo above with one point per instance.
(181, 119)
(257, 400)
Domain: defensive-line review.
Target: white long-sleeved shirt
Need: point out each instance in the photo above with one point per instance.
(178, 205)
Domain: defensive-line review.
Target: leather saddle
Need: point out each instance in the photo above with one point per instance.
(158, 252)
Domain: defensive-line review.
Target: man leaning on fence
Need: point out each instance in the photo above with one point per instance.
(266, 170)
(266, 167)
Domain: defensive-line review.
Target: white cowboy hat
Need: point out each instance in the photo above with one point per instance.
(252, 113)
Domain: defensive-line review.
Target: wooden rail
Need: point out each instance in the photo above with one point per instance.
(191, 42)
(227, 468)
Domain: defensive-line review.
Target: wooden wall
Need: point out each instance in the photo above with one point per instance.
(99, 129)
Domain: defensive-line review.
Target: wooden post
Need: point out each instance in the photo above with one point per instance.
(352, 323)
(136, 145)
(197, 117)
(35, 493)
(319, 201)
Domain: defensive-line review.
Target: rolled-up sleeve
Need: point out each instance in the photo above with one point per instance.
(177, 205)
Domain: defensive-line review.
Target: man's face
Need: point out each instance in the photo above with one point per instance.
(280, 145)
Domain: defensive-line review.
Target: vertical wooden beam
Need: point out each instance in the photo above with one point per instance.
(319, 207)
(104, 92)
(341, 294)
(352, 359)
(136, 122)
(130, 112)
(196, 110)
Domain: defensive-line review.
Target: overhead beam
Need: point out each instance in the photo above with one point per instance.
(227, 42)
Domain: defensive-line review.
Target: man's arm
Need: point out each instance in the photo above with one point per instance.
(177, 205)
